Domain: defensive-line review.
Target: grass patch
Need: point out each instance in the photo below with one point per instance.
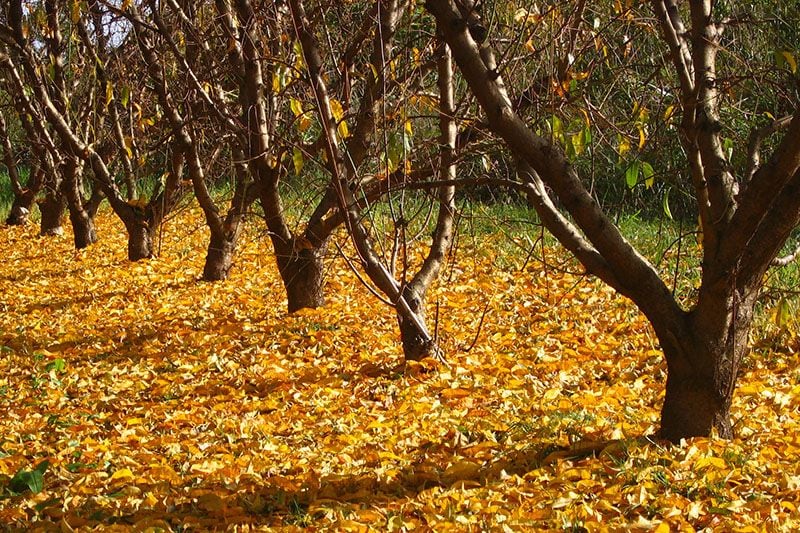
(6, 193)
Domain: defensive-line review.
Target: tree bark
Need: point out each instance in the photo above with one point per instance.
(82, 220)
(219, 259)
(52, 211)
(20, 209)
(140, 238)
(703, 362)
(82, 227)
(415, 346)
(302, 271)
(695, 403)
(23, 196)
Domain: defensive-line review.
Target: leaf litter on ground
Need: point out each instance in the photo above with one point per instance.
(157, 401)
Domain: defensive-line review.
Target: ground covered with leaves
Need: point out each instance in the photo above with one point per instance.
(135, 395)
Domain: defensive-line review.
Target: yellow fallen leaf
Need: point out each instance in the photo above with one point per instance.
(461, 471)
(715, 462)
(663, 527)
(123, 474)
(451, 394)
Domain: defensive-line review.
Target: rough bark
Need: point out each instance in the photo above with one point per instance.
(140, 238)
(51, 208)
(695, 403)
(224, 232)
(702, 365)
(23, 196)
(20, 210)
(82, 227)
(302, 271)
(415, 345)
(81, 219)
(219, 258)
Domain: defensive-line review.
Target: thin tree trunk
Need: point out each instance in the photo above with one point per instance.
(23, 196)
(224, 233)
(82, 227)
(415, 346)
(81, 219)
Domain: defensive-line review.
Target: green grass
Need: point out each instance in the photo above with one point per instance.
(511, 232)
(6, 194)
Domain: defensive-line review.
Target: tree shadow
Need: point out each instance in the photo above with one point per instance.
(280, 501)
(63, 303)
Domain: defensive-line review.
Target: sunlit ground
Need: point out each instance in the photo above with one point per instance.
(162, 401)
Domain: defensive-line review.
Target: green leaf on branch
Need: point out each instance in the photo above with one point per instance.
(648, 174)
(632, 175)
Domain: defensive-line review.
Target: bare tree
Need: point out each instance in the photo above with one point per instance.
(142, 218)
(743, 227)
(24, 192)
(406, 297)
(300, 253)
(200, 114)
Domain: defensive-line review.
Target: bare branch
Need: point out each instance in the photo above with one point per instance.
(787, 259)
(638, 279)
(757, 136)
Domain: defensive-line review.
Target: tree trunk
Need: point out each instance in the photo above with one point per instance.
(52, 210)
(81, 219)
(82, 227)
(702, 369)
(694, 405)
(140, 239)
(20, 210)
(302, 272)
(219, 258)
(415, 346)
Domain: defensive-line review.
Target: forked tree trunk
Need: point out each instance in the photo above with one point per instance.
(219, 258)
(52, 211)
(302, 272)
(702, 369)
(415, 345)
